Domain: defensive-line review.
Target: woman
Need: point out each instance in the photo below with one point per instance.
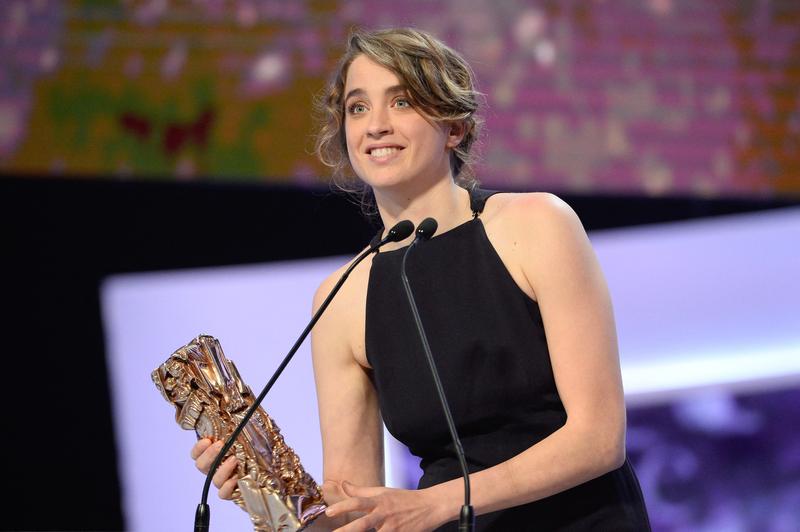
(516, 310)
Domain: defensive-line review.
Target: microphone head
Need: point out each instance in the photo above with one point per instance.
(400, 231)
(427, 228)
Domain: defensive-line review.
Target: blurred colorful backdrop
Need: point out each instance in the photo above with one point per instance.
(653, 97)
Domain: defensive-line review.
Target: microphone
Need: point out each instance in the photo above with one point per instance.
(425, 230)
(398, 232)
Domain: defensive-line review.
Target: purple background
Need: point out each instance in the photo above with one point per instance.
(655, 97)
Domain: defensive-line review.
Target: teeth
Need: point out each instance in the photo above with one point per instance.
(382, 152)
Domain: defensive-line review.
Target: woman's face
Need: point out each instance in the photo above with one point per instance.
(388, 142)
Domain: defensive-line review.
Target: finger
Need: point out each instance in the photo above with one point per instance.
(352, 490)
(199, 447)
(224, 471)
(362, 524)
(332, 492)
(226, 490)
(331, 485)
(208, 456)
(353, 504)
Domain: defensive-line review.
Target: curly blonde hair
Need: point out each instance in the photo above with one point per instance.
(440, 85)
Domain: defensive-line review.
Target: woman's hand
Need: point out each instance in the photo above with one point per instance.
(386, 509)
(204, 453)
(332, 492)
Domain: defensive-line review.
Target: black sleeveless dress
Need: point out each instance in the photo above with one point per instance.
(488, 340)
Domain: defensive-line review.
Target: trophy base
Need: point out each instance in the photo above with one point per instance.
(270, 513)
(323, 523)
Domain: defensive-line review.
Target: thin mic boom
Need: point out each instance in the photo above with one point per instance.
(425, 230)
(398, 232)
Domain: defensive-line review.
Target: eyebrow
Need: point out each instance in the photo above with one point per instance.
(390, 90)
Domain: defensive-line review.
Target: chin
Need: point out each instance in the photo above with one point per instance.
(384, 179)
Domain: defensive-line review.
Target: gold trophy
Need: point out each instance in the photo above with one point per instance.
(210, 398)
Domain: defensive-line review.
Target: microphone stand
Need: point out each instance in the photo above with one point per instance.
(202, 517)
(425, 231)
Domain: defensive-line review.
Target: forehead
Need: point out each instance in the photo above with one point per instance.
(369, 76)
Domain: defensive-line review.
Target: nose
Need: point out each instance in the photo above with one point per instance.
(380, 123)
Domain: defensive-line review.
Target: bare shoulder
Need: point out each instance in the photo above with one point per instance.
(327, 285)
(533, 220)
(538, 211)
(340, 329)
(534, 233)
(330, 281)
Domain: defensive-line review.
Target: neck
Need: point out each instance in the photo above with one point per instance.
(445, 201)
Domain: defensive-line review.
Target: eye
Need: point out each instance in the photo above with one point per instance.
(356, 108)
(402, 103)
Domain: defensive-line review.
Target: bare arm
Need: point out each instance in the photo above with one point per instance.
(551, 250)
(352, 431)
(350, 423)
(561, 268)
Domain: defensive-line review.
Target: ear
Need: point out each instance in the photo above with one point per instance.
(456, 133)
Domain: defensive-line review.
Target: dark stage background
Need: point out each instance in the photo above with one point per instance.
(62, 237)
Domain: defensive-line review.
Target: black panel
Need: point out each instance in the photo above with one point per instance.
(60, 239)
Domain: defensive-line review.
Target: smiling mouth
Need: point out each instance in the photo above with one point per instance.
(380, 153)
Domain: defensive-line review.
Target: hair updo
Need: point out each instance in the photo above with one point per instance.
(439, 83)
